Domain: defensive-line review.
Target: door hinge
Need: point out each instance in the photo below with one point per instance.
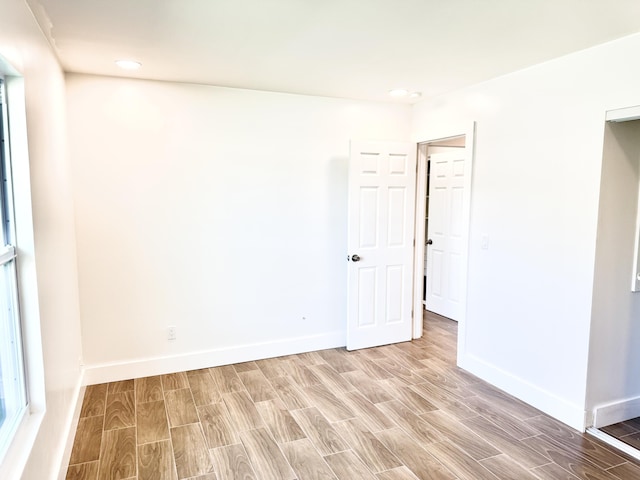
(411, 313)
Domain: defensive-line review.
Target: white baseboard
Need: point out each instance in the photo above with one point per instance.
(558, 408)
(145, 367)
(71, 425)
(616, 412)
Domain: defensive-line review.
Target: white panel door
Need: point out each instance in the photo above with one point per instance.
(446, 235)
(382, 181)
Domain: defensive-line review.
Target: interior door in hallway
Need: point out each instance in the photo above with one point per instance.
(382, 181)
(446, 234)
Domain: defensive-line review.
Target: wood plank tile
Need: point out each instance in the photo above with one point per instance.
(409, 397)
(190, 451)
(332, 408)
(292, 396)
(371, 415)
(461, 464)
(174, 381)
(181, 409)
(370, 368)
(399, 352)
(227, 379)
(83, 471)
(94, 401)
(216, 425)
(602, 456)
(553, 471)
(233, 463)
(338, 359)
(265, 455)
(88, 440)
(245, 367)
(444, 400)
(300, 374)
(366, 445)
(371, 353)
(503, 401)
(257, 385)
(618, 430)
(625, 471)
(411, 423)
(348, 467)
(565, 458)
(319, 431)
(505, 442)
(505, 468)
(305, 461)
(309, 358)
(371, 389)
(208, 476)
(632, 439)
(510, 424)
(399, 370)
(273, 367)
(122, 386)
(421, 463)
(401, 473)
(204, 388)
(118, 454)
(461, 376)
(477, 447)
(120, 410)
(155, 461)
(331, 378)
(242, 411)
(148, 389)
(280, 422)
(151, 420)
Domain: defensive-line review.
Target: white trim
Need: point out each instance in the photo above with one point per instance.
(419, 236)
(614, 442)
(144, 367)
(468, 130)
(569, 413)
(71, 425)
(623, 114)
(616, 412)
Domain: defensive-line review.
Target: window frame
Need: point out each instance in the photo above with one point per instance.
(19, 406)
(26, 433)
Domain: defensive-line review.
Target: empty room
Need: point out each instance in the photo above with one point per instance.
(288, 239)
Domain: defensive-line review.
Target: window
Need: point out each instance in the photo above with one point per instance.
(13, 392)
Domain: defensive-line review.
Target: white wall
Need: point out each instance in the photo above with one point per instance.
(535, 193)
(50, 300)
(220, 211)
(614, 383)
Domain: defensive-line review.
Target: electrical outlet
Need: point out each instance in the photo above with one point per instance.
(171, 333)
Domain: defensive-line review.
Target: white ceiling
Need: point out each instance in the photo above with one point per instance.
(341, 48)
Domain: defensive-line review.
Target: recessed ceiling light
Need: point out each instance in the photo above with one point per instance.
(415, 94)
(398, 92)
(128, 64)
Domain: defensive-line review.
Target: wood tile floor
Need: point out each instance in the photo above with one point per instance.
(627, 432)
(397, 412)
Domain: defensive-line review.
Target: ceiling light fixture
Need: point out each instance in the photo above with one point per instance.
(128, 64)
(415, 95)
(399, 92)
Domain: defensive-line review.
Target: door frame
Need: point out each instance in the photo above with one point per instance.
(468, 131)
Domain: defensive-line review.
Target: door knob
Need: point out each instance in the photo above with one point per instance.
(429, 242)
(355, 258)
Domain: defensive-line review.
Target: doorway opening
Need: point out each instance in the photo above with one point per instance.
(442, 226)
(613, 386)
